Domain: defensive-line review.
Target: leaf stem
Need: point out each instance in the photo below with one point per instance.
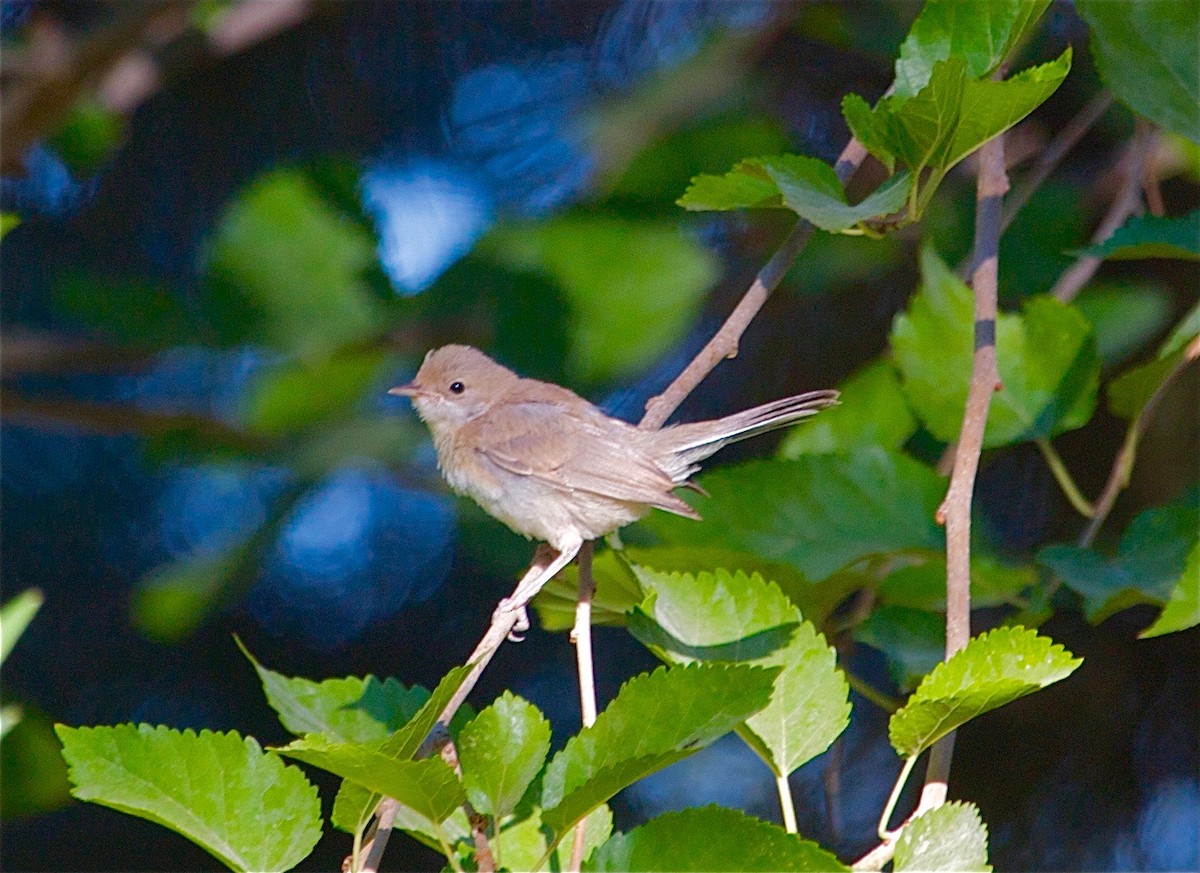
(894, 798)
(1063, 477)
(786, 805)
(868, 691)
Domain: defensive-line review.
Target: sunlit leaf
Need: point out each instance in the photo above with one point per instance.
(1183, 606)
(951, 837)
(711, 838)
(224, 793)
(734, 617)
(995, 668)
(521, 844)
(501, 750)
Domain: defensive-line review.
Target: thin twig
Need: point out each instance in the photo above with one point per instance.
(581, 635)
(1052, 155)
(955, 511)
(1118, 477)
(1127, 202)
(1064, 479)
(724, 343)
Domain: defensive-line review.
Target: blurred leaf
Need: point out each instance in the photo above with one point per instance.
(1035, 249)
(913, 640)
(31, 762)
(807, 186)
(617, 591)
(128, 311)
(1123, 317)
(731, 616)
(8, 220)
(1150, 236)
(428, 786)
(711, 838)
(833, 262)
(1184, 332)
(873, 412)
(89, 135)
(1129, 393)
(661, 171)
(995, 668)
(15, 617)
(501, 751)
(655, 720)
(293, 396)
(10, 717)
(951, 116)
(367, 440)
(1046, 356)
(520, 845)
(817, 513)
(981, 33)
(1183, 607)
(950, 837)
(1149, 56)
(173, 600)
(351, 709)
(224, 793)
(1150, 558)
(299, 264)
(633, 287)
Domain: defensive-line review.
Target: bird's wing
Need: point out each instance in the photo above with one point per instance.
(574, 453)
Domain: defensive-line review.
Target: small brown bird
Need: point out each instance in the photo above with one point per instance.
(552, 466)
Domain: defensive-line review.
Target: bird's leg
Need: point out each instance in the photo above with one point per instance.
(547, 561)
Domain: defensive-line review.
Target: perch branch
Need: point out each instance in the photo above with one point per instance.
(581, 635)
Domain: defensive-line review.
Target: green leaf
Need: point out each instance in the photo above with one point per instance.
(407, 741)
(807, 186)
(1184, 332)
(296, 395)
(350, 710)
(919, 582)
(873, 412)
(952, 115)
(1150, 236)
(428, 786)
(818, 513)
(520, 845)
(913, 640)
(32, 765)
(710, 838)
(995, 668)
(633, 287)
(299, 264)
(1148, 53)
(1129, 393)
(1046, 357)
(1150, 558)
(127, 311)
(655, 720)
(1183, 607)
(8, 220)
(15, 616)
(950, 837)
(981, 33)
(173, 600)
(224, 793)
(353, 807)
(501, 751)
(733, 617)
(1123, 317)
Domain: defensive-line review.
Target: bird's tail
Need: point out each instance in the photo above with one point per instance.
(684, 445)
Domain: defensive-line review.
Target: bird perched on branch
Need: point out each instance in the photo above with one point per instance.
(556, 469)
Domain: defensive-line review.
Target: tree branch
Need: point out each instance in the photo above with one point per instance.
(955, 511)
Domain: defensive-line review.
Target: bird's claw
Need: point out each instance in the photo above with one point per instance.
(520, 623)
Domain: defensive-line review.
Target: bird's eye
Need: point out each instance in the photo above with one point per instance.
(457, 387)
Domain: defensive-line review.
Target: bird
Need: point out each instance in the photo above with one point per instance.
(554, 467)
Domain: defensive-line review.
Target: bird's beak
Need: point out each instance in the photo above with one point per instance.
(408, 390)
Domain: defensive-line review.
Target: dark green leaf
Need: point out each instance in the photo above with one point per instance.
(224, 793)
(1148, 53)
(730, 616)
(995, 668)
(655, 720)
(913, 640)
(127, 311)
(427, 786)
(1046, 356)
(296, 395)
(1149, 236)
(950, 837)
(1183, 607)
(919, 582)
(1149, 560)
(818, 512)
(501, 750)
(1123, 317)
(710, 838)
(873, 412)
(173, 600)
